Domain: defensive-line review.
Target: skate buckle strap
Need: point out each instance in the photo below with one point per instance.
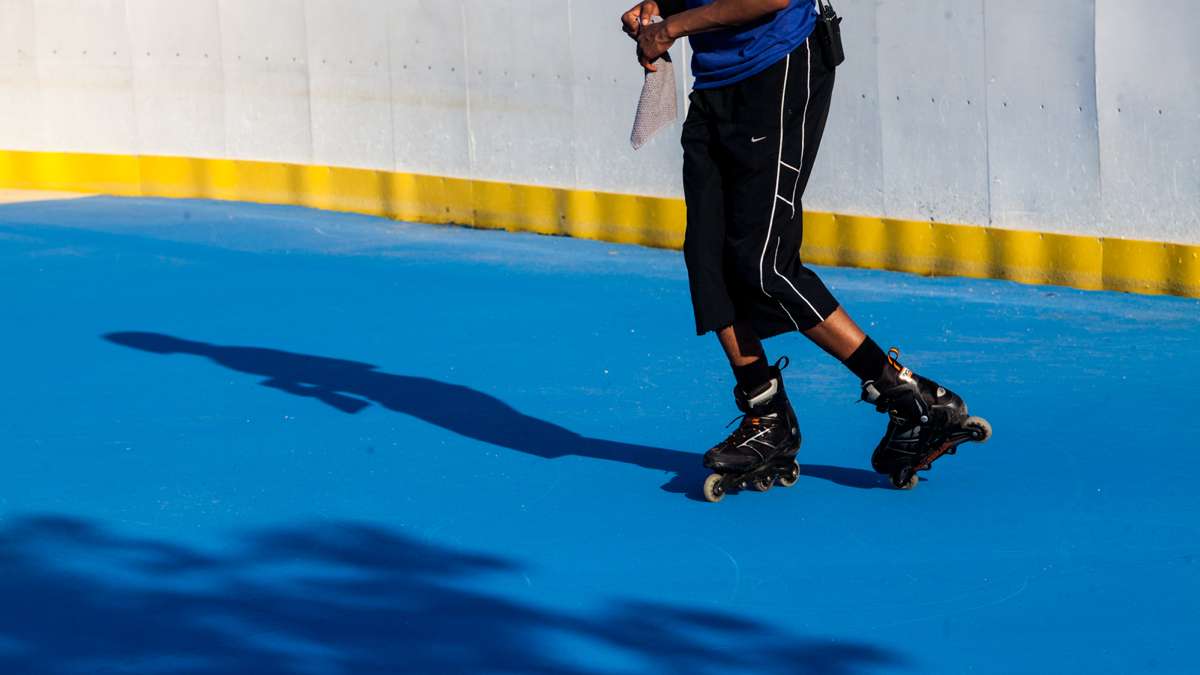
(763, 397)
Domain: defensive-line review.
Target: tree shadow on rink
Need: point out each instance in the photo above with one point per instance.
(341, 598)
(350, 386)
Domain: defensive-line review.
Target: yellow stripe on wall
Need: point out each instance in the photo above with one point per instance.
(829, 239)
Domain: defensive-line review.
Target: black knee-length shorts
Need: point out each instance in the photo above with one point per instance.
(748, 150)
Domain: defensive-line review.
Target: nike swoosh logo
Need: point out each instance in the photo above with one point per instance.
(755, 140)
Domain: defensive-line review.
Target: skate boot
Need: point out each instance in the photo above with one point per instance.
(763, 448)
(925, 421)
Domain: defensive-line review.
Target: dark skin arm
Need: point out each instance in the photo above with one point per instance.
(654, 39)
(641, 14)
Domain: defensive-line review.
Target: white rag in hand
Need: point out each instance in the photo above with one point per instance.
(657, 106)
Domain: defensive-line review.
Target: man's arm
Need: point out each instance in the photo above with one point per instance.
(720, 14)
(643, 13)
(656, 38)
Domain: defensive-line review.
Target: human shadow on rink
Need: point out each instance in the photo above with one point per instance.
(341, 597)
(351, 386)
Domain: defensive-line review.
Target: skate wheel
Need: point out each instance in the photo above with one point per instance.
(980, 429)
(905, 479)
(762, 484)
(788, 478)
(713, 491)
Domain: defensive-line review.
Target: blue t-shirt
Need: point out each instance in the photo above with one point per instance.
(729, 55)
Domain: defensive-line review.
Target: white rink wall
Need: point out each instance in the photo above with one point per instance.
(1072, 116)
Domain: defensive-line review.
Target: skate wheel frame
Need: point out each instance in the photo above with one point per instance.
(981, 429)
(789, 477)
(905, 479)
(762, 483)
(713, 490)
(973, 429)
(759, 480)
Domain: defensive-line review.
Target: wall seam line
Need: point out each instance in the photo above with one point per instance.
(467, 91)
(1103, 215)
(308, 99)
(133, 88)
(387, 32)
(987, 116)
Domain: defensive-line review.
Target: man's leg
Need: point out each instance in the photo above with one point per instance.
(704, 246)
(838, 335)
(768, 432)
(842, 339)
(768, 437)
(741, 345)
(775, 293)
(746, 357)
(789, 105)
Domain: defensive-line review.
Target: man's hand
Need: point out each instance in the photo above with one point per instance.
(639, 16)
(653, 41)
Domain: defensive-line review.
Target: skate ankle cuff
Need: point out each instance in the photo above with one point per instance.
(760, 397)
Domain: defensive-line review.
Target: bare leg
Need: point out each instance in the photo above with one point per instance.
(741, 345)
(837, 334)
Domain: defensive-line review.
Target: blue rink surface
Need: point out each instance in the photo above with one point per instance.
(257, 439)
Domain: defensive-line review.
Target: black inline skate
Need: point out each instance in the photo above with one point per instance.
(763, 448)
(925, 421)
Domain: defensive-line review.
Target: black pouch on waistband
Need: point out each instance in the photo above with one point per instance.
(828, 32)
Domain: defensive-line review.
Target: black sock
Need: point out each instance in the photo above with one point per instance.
(868, 361)
(752, 375)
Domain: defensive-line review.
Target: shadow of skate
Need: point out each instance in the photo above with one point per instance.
(344, 597)
(855, 478)
(351, 386)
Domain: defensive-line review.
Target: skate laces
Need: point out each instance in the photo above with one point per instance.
(748, 425)
(736, 442)
(755, 420)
